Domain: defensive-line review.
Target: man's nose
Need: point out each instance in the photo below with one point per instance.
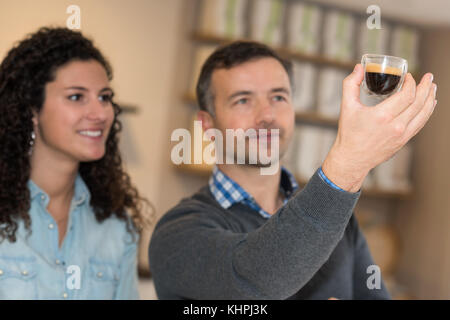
(265, 112)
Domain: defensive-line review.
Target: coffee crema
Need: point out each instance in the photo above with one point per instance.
(382, 81)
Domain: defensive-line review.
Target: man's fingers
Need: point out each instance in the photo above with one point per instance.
(423, 91)
(416, 124)
(398, 102)
(351, 84)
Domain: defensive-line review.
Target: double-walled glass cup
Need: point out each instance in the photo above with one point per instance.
(383, 75)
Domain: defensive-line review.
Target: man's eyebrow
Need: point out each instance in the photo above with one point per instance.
(239, 93)
(281, 89)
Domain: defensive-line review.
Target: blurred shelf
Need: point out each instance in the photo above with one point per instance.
(205, 171)
(129, 109)
(190, 98)
(300, 117)
(290, 53)
(196, 169)
(286, 52)
(315, 118)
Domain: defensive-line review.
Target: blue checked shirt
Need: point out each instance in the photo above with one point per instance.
(227, 192)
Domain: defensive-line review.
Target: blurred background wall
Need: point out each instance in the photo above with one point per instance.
(156, 47)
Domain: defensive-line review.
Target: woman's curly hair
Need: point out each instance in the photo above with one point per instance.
(24, 73)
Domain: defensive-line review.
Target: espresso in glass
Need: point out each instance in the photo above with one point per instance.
(382, 82)
(383, 75)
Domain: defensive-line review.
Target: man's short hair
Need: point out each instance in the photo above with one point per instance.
(229, 56)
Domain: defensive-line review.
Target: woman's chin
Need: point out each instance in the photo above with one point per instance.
(93, 156)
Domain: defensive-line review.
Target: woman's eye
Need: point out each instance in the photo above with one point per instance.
(75, 97)
(106, 97)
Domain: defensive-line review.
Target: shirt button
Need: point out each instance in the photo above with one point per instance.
(57, 261)
(65, 295)
(42, 197)
(25, 273)
(99, 275)
(1, 272)
(51, 226)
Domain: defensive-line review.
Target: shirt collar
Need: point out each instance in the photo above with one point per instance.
(227, 192)
(81, 193)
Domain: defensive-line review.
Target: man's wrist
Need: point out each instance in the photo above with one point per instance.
(341, 172)
(330, 183)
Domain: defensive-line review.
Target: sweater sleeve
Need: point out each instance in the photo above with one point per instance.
(193, 257)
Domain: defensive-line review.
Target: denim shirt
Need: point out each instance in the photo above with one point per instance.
(95, 261)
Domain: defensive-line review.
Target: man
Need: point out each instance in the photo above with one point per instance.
(253, 236)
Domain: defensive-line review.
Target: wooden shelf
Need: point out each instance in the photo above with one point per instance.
(290, 53)
(283, 51)
(205, 171)
(300, 117)
(315, 118)
(196, 169)
(129, 109)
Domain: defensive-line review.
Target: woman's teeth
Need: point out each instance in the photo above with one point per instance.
(91, 133)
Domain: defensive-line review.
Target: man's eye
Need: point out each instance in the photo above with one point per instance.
(242, 101)
(75, 97)
(279, 98)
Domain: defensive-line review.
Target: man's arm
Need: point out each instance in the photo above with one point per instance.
(193, 256)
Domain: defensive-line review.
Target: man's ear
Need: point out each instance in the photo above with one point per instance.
(206, 119)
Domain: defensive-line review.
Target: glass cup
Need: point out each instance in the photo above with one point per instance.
(383, 75)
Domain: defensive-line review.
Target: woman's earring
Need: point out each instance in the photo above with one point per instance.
(33, 136)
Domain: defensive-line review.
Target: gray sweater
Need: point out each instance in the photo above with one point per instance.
(312, 248)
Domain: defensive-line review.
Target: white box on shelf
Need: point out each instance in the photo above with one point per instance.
(303, 31)
(368, 182)
(308, 150)
(405, 44)
(223, 18)
(202, 53)
(305, 75)
(267, 21)
(330, 92)
(375, 41)
(288, 160)
(327, 138)
(394, 174)
(339, 36)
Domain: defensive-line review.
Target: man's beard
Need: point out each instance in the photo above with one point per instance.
(253, 153)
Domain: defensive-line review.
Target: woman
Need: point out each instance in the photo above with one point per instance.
(69, 215)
